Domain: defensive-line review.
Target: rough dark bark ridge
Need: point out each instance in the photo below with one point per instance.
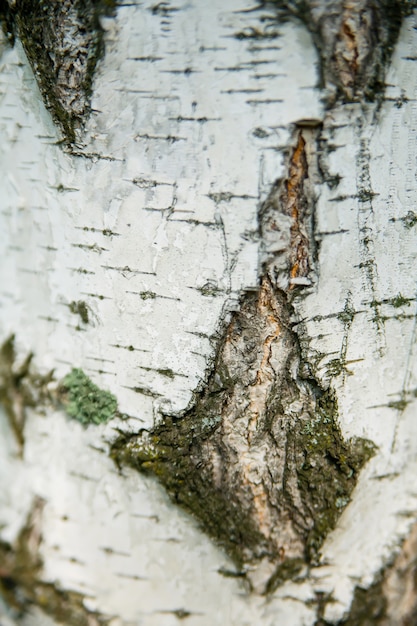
(259, 458)
(63, 40)
(355, 40)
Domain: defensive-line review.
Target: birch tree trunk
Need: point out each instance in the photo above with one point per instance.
(208, 313)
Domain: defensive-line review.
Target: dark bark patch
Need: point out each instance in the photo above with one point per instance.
(20, 579)
(20, 387)
(79, 307)
(259, 458)
(63, 40)
(355, 40)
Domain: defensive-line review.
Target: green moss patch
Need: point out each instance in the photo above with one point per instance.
(86, 402)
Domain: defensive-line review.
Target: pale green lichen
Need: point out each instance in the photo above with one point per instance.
(86, 402)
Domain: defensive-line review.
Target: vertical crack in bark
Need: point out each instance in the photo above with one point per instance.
(259, 458)
(295, 204)
(20, 578)
(286, 219)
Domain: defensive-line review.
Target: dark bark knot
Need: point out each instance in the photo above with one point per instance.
(259, 459)
(63, 40)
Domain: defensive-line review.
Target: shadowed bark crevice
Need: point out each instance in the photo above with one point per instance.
(391, 600)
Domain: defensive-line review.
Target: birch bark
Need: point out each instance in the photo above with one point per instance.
(227, 144)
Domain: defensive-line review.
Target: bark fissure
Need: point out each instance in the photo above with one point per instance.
(259, 458)
(286, 219)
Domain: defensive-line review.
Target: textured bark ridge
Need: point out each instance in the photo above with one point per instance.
(287, 248)
(259, 458)
(355, 40)
(63, 40)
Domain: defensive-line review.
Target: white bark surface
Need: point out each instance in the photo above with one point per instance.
(154, 226)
